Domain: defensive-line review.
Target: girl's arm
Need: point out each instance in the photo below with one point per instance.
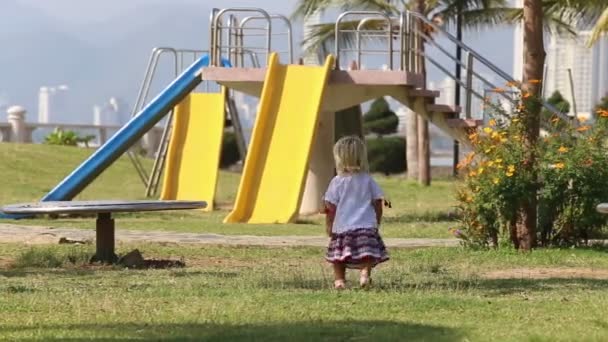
(378, 209)
(330, 215)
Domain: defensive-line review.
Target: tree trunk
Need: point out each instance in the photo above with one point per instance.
(424, 155)
(424, 151)
(411, 140)
(534, 60)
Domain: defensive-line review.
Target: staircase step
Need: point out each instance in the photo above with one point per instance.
(442, 108)
(464, 123)
(424, 93)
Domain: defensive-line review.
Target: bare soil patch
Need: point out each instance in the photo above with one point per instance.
(547, 273)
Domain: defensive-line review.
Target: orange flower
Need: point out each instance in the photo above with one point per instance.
(492, 122)
(581, 119)
(473, 137)
(583, 128)
(602, 112)
(512, 84)
(525, 95)
(559, 165)
(562, 149)
(534, 81)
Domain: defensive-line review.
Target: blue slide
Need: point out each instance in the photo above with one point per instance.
(130, 133)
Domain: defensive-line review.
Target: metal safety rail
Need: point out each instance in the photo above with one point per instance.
(411, 30)
(230, 36)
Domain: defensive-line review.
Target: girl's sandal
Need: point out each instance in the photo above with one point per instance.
(339, 285)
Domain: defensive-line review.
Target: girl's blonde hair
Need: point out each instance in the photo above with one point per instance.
(350, 155)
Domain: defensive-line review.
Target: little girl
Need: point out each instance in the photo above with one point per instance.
(353, 207)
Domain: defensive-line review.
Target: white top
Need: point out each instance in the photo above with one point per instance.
(353, 196)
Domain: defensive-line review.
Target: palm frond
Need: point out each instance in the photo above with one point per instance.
(552, 22)
(481, 18)
(451, 8)
(601, 26)
(322, 35)
(305, 8)
(582, 13)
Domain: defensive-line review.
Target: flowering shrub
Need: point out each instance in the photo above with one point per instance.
(569, 176)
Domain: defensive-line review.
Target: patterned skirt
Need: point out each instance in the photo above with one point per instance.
(356, 248)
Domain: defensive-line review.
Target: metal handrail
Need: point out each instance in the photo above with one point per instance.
(150, 180)
(369, 13)
(288, 33)
(473, 55)
(216, 29)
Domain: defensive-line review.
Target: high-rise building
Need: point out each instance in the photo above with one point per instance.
(588, 67)
(518, 45)
(53, 105)
(115, 112)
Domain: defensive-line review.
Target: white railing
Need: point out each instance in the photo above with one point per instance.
(18, 130)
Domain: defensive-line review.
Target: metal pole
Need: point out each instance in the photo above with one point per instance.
(469, 88)
(456, 150)
(572, 92)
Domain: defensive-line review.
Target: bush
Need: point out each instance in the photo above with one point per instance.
(386, 155)
(230, 151)
(572, 179)
(380, 119)
(67, 138)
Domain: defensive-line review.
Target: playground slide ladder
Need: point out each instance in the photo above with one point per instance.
(179, 58)
(237, 125)
(275, 169)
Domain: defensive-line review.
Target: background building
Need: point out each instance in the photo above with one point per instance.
(53, 105)
(588, 66)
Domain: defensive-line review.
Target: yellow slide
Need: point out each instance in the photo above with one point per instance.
(193, 156)
(277, 160)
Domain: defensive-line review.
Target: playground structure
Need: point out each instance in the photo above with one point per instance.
(289, 161)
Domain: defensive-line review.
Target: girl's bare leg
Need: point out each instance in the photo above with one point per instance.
(339, 275)
(366, 274)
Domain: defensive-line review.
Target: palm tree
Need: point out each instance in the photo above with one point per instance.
(474, 13)
(537, 16)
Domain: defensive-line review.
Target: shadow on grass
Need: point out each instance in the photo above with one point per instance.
(422, 217)
(492, 287)
(55, 272)
(301, 331)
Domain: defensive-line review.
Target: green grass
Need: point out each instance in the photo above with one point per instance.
(276, 294)
(30, 171)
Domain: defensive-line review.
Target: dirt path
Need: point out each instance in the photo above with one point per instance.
(45, 235)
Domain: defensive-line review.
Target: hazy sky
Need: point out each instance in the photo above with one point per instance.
(80, 11)
(495, 44)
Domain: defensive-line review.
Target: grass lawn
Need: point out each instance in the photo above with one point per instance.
(30, 171)
(278, 294)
